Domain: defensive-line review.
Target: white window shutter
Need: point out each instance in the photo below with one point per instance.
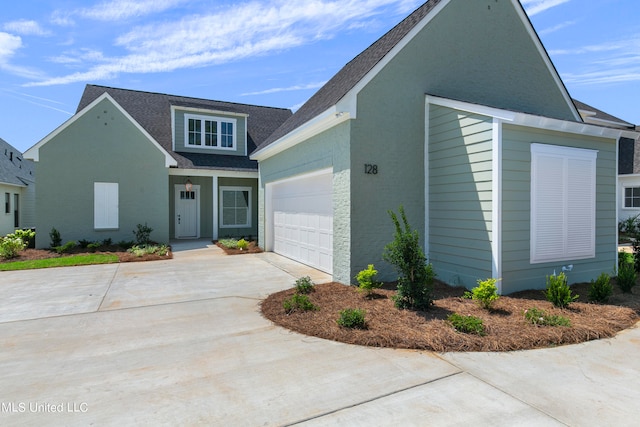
(563, 203)
(581, 208)
(105, 205)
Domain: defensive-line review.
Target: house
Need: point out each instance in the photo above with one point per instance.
(178, 164)
(459, 115)
(17, 189)
(628, 196)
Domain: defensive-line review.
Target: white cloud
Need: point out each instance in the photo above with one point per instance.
(533, 7)
(286, 89)
(25, 27)
(558, 27)
(242, 30)
(122, 9)
(9, 44)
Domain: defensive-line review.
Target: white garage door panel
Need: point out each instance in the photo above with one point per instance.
(303, 222)
(307, 238)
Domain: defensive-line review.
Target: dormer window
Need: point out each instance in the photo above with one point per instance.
(210, 132)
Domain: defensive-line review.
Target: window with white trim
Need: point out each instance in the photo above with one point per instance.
(235, 207)
(209, 132)
(632, 197)
(7, 203)
(563, 203)
(105, 205)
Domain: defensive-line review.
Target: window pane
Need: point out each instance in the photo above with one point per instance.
(210, 133)
(226, 134)
(241, 216)
(195, 136)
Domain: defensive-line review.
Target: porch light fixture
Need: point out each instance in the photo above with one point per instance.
(188, 185)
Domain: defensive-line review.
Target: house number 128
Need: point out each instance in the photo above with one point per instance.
(370, 169)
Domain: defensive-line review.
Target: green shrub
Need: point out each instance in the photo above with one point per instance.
(107, 242)
(229, 243)
(141, 250)
(143, 234)
(352, 318)
(66, 247)
(84, 243)
(304, 285)
(298, 302)
(600, 290)
(540, 317)
(627, 277)
(486, 293)
(629, 226)
(243, 245)
(10, 246)
(466, 324)
(625, 258)
(558, 291)
(93, 246)
(415, 275)
(56, 240)
(27, 236)
(366, 280)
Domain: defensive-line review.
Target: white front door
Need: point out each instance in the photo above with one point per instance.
(187, 218)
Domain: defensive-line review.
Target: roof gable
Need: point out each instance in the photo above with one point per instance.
(14, 168)
(153, 111)
(34, 152)
(454, 22)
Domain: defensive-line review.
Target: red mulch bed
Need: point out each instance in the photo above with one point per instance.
(252, 249)
(505, 325)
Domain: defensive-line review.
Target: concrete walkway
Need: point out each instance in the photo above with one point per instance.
(182, 342)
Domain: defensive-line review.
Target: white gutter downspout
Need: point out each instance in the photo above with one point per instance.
(496, 204)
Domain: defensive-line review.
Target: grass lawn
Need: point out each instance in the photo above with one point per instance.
(83, 259)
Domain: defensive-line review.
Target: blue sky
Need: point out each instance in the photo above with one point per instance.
(264, 52)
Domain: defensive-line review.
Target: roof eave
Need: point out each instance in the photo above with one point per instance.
(326, 120)
(530, 120)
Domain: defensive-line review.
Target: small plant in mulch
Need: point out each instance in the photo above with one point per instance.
(367, 280)
(233, 246)
(243, 245)
(298, 302)
(486, 293)
(558, 291)
(352, 318)
(540, 317)
(467, 324)
(627, 277)
(304, 285)
(601, 289)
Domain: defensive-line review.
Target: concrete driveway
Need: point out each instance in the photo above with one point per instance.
(182, 342)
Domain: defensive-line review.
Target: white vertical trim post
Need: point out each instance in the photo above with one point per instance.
(214, 186)
(619, 200)
(426, 178)
(496, 203)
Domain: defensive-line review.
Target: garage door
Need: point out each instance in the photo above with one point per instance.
(302, 218)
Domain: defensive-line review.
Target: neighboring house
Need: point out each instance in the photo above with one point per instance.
(127, 157)
(628, 196)
(459, 115)
(17, 190)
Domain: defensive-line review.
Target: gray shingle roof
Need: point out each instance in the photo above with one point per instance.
(14, 169)
(153, 112)
(336, 88)
(601, 115)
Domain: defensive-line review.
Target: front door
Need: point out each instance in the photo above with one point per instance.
(187, 218)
